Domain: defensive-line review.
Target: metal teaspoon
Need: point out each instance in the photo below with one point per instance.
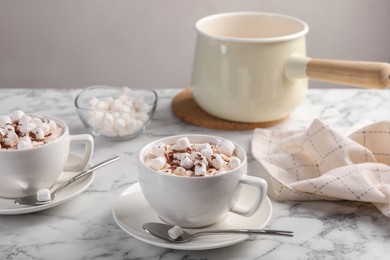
(160, 230)
(33, 200)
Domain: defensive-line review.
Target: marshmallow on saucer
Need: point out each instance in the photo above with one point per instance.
(43, 195)
(175, 232)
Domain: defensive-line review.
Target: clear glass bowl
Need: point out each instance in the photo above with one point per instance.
(116, 113)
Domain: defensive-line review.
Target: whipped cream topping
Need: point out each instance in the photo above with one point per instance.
(20, 131)
(193, 159)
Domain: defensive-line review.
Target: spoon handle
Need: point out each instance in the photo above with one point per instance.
(247, 231)
(86, 172)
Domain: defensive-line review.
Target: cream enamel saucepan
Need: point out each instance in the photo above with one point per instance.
(252, 67)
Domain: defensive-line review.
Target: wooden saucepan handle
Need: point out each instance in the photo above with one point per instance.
(353, 73)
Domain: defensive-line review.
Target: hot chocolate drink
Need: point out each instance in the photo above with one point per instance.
(20, 131)
(193, 159)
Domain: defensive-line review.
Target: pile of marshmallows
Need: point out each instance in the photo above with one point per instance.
(21, 131)
(198, 159)
(118, 116)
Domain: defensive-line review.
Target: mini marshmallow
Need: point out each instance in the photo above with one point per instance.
(9, 128)
(16, 115)
(179, 171)
(207, 153)
(196, 156)
(38, 134)
(180, 156)
(24, 120)
(175, 232)
(186, 163)
(189, 173)
(216, 161)
(45, 128)
(11, 138)
(127, 91)
(24, 145)
(117, 105)
(52, 124)
(101, 105)
(142, 116)
(200, 147)
(183, 143)
(25, 128)
(108, 119)
(43, 195)
(119, 124)
(5, 120)
(158, 163)
(141, 106)
(234, 162)
(200, 169)
(36, 121)
(227, 148)
(93, 102)
(158, 149)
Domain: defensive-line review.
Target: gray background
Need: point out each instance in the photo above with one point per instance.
(145, 43)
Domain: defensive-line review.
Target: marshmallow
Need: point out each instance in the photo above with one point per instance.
(52, 124)
(43, 195)
(158, 163)
(175, 232)
(234, 162)
(142, 116)
(179, 171)
(196, 156)
(200, 169)
(24, 145)
(186, 163)
(37, 134)
(180, 156)
(24, 120)
(36, 121)
(207, 153)
(216, 161)
(9, 128)
(11, 138)
(141, 105)
(227, 148)
(101, 105)
(119, 124)
(26, 128)
(93, 102)
(117, 105)
(127, 91)
(183, 143)
(158, 149)
(5, 120)
(45, 128)
(16, 115)
(189, 173)
(200, 147)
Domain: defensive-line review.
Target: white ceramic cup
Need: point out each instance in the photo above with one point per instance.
(24, 172)
(197, 201)
(252, 67)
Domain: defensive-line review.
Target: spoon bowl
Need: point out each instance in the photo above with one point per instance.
(33, 199)
(160, 230)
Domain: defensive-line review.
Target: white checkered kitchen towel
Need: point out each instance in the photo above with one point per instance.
(320, 163)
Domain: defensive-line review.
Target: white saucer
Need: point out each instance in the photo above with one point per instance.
(131, 210)
(8, 207)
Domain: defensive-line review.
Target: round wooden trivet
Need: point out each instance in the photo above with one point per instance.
(184, 107)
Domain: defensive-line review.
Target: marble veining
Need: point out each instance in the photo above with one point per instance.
(84, 228)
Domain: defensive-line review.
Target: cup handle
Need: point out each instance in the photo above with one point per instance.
(87, 140)
(261, 187)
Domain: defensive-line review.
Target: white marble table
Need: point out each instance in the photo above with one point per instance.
(84, 228)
